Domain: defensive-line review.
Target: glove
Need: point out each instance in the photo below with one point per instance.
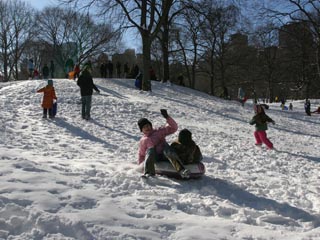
(164, 113)
(98, 92)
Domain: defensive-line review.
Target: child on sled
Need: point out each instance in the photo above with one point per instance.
(186, 148)
(153, 146)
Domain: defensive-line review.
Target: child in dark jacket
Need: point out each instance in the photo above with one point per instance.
(260, 119)
(187, 150)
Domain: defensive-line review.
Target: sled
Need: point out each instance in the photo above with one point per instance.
(54, 109)
(165, 168)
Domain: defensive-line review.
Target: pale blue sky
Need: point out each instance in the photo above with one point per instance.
(40, 4)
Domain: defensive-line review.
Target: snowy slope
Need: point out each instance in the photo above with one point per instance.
(74, 179)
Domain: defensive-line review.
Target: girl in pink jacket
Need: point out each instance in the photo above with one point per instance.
(153, 146)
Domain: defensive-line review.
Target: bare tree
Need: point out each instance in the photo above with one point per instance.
(177, 8)
(144, 15)
(16, 26)
(150, 14)
(83, 36)
(306, 12)
(188, 40)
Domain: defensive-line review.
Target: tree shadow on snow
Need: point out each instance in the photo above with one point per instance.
(110, 92)
(311, 158)
(134, 137)
(295, 132)
(81, 133)
(241, 197)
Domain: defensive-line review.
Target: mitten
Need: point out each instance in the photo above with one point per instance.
(164, 113)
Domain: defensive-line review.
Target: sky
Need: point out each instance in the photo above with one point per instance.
(68, 178)
(40, 4)
(130, 38)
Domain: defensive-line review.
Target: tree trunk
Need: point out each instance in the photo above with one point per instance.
(165, 51)
(212, 73)
(146, 43)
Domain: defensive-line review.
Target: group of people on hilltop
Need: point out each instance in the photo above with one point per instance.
(33, 72)
(106, 69)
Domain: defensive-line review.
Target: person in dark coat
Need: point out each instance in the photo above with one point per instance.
(103, 70)
(187, 150)
(52, 68)
(31, 68)
(125, 70)
(85, 82)
(118, 66)
(110, 69)
(307, 107)
(45, 71)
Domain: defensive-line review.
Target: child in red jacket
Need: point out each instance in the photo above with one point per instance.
(49, 95)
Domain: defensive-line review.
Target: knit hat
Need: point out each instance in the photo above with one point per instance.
(50, 82)
(185, 137)
(142, 122)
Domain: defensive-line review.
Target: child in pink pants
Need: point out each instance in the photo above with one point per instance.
(260, 119)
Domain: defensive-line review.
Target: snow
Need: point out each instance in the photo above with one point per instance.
(69, 178)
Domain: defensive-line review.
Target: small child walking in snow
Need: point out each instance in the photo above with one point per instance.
(49, 95)
(260, 119)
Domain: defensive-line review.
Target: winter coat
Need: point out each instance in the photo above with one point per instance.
(241, 94)
(156, 139)
(45, 71)
(187, 153)
(86, 84)
(261, 120)
(30, 65)
(76, 69)
(48, 95)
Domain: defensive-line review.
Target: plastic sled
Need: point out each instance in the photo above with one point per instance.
(165, 168)
(54, 109)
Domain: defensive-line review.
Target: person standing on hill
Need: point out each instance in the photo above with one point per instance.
(110, 69)
(45, 71)
(125, 70)
(118, 67)
(76, 71)
(85, 82)
(52, 69)
(69, 66)
(31, 68)
(49, 95)
(307, 107)
(241, 96)
(260, 119)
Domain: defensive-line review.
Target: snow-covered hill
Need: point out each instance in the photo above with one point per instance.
(70, 178)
